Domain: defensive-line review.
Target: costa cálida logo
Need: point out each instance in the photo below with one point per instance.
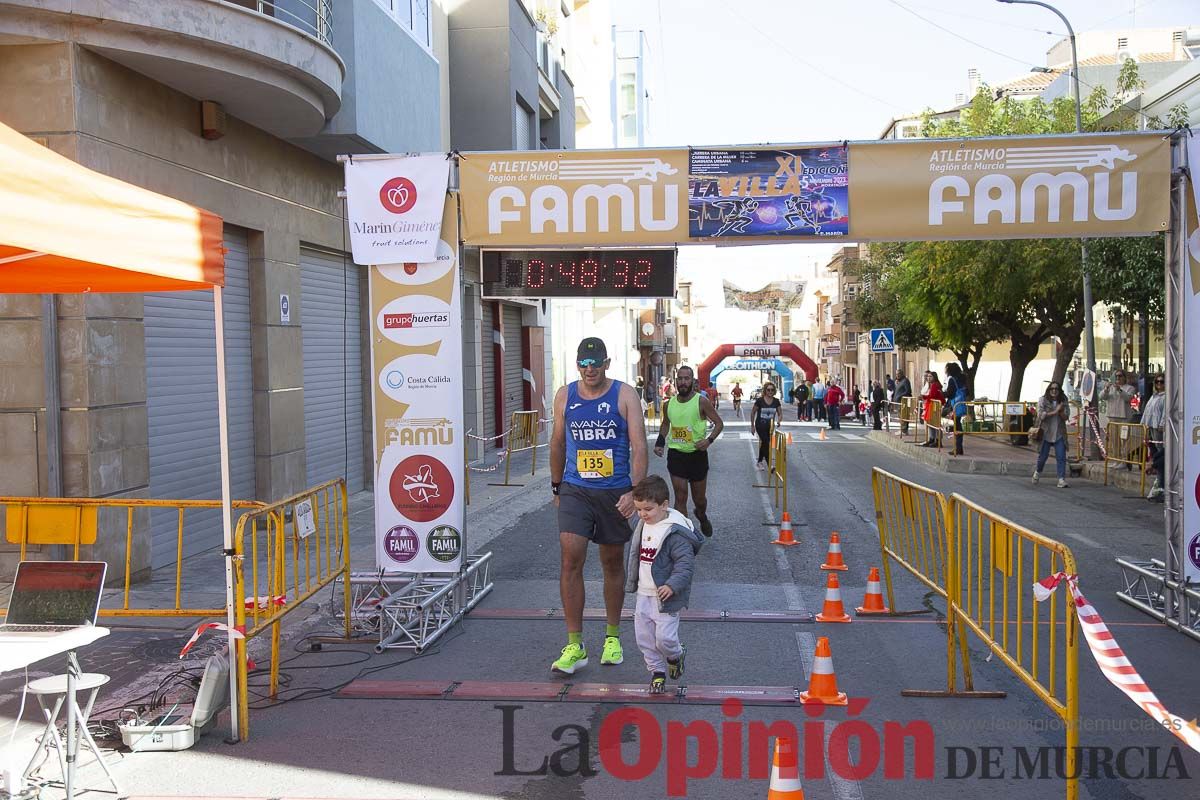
(398, 195)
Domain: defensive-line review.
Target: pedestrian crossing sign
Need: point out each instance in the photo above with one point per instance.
(883, 340)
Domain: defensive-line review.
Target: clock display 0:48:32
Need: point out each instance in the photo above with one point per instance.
(620, 273)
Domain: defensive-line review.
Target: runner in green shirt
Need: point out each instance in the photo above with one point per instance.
(684, 431)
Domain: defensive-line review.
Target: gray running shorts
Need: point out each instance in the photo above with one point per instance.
(592, 514)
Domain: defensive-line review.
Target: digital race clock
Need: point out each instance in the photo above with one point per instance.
(578, 273)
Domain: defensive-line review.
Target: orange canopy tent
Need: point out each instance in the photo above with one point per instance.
(64, 228)
(67, 229)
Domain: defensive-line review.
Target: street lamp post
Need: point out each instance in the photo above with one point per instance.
(1089, 336)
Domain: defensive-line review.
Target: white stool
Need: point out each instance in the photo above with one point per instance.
(56, 687)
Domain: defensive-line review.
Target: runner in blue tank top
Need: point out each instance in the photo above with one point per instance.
(597, 453)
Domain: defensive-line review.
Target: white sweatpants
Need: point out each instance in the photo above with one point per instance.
(657, 633)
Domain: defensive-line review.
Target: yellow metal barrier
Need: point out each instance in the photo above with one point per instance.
(779, 467)
(998, 418)
(277, 567)
(993, 563)
(912, 532)
(522, 435)
(933, 425)
(1125, 443)
(81, 521)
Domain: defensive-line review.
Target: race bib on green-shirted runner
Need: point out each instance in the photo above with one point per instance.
(681, 433)
(594, 464)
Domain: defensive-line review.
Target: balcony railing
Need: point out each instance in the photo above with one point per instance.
(314, 17)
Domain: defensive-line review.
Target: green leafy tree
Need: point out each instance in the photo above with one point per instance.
(1032, 289)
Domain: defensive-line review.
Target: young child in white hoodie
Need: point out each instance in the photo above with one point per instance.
(659, 571)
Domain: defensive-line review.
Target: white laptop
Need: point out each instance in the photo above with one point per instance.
(50, 598)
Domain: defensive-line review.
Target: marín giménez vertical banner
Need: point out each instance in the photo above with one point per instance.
(417, 367)
(395, 207)
(798, 193)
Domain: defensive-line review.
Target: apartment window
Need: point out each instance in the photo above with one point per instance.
(413, 16)
(852, 339)
(851, 291)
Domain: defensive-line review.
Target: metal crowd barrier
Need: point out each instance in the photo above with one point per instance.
(934, 427)
(992, 564)
(779, 467)
(77, 522)
(1125, 443)
(771, 456)
(278, 566)
(998, 418)
(983, 566)
(522, 435)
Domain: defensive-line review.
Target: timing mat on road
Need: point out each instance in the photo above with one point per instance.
(597, 614)
(529, 691)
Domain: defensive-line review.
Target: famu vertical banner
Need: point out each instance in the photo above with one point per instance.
(417, 364)
(1190, 435)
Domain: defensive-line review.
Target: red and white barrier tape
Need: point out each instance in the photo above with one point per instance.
(263, 601)
(1094, 419)
(204, 628)
(1113, 661)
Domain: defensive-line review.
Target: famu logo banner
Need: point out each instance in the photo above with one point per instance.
(1010, 188)
(574, 197)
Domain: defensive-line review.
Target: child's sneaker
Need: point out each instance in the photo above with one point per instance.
(612, 653)
(675, 668)
(658, 683)
(573, 657)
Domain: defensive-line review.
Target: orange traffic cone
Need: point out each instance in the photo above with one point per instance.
(785, 772)
(823, 437)
(785, 532)
(873, 600)
(833, 611)
(834, 559)
(790, 439)
(822, 683)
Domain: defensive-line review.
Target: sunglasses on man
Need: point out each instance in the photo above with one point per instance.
(584, 363)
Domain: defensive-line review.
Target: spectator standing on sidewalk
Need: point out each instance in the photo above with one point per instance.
(955, 402)
(878, 398)
(1052, 418)
(931, 392)
(818, 394)
(802, 395)
(903, 389)
(833, 405)
(856, 401)
(891, 385)
(1117, 396)
(1154, 418)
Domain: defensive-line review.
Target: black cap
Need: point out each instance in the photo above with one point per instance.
(592, 347)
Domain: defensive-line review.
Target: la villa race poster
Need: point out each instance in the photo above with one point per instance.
(800, 193)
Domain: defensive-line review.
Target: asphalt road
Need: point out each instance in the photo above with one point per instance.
(384, 748)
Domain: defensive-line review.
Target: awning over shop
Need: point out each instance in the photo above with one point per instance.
(65, 228)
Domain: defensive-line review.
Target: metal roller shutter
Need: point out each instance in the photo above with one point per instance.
(514, 396)
(333, 391)
(181, 400)
(488, 352)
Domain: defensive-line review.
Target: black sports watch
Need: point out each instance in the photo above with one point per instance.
(554, 486)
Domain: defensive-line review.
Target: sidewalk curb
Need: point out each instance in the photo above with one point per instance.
(1093, 472)
(942, 460)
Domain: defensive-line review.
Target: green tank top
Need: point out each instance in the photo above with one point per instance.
(687, 424)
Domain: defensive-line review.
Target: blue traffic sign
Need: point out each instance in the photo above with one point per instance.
(883, 340)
